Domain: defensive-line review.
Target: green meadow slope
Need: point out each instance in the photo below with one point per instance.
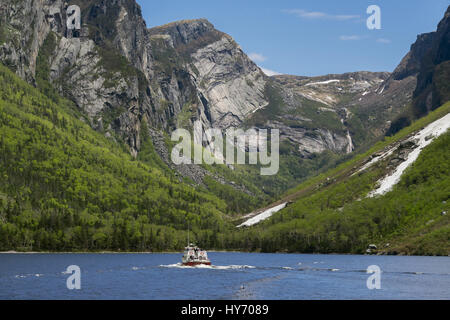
(332, 213)
(64, 186)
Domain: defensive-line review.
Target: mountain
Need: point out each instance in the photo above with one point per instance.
(428, 64)
(115, 90)
(122, 74)
(340, 97)
(117, 67)
(394, 196)
(433, 86)
(228, 85)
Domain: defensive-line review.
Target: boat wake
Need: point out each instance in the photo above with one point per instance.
(21, 276)
(203, 266)
(237, 267)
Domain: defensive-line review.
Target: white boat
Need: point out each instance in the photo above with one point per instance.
(194, 256)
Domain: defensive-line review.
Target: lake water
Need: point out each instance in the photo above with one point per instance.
(233, 276)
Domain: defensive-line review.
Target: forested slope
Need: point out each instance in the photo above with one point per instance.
(333, 213)
(64, 186)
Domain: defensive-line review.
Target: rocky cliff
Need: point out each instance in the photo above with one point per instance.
(119, 72)
(424, 73)
(122, 74)
(433, 82)
(228, 84)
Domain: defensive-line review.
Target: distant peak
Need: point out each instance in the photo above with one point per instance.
(200, 21)
(197, 32)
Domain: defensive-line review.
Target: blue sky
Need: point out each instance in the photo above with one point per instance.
(310, 37)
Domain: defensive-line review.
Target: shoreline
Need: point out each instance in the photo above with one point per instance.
(209, 251)
(110, 252)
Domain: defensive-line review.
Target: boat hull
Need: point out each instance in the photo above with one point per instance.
(196, 263)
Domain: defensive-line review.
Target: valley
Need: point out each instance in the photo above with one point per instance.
(86, 119)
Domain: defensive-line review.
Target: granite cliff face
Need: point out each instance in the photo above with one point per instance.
(88, 66)
(433, 82)
(122, 74)
(424, 74)
(119, 72)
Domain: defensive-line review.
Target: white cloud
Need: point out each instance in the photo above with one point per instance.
(306, 14)
(383, 40)
(350, 38)
(257, 57)
(269, 72)
(321, 15)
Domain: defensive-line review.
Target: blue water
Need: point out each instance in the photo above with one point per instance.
(233, 276)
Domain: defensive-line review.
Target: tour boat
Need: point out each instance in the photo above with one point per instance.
(194, 256)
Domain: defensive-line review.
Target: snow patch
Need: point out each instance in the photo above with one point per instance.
(312, 96)
(322, 82)
(423, 138)
(262, 216)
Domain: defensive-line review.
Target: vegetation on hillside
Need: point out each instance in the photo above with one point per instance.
(64, 186)
(336, 215)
